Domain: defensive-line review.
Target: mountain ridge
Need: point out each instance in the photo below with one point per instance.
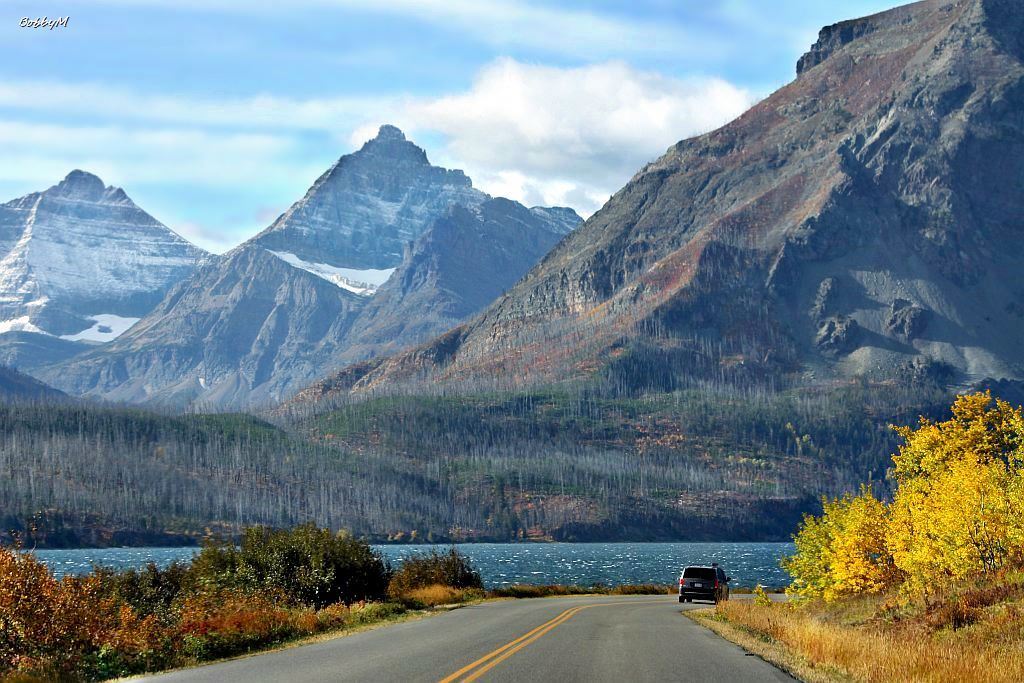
(277, 312)
(845, 226)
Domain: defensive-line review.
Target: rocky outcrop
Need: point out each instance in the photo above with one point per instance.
(833, 38)
(837, 335)
(825, 303)
(906, 321)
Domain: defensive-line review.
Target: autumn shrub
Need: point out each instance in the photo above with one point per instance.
(35, 631)
(150, 591)
(958, 510)
(334, 616)
(277, 586)
(309, 565)
(223, 623)
(372, 612)
(434, 595)
(451, 569)
(529, 590)
(59, 628)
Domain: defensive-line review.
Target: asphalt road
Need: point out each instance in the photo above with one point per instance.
(548, 639)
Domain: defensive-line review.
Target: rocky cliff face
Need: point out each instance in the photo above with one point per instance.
(239, 330)
(361, 213)
(864, 220)
(294, 302)
(80, 262)
(466, 260)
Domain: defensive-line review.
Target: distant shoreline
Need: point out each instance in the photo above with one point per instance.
(198, 544)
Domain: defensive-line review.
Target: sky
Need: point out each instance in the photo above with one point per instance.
(216, 115)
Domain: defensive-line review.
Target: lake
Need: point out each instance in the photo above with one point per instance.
(502, 564)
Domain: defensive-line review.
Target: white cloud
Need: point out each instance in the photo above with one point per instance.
(260, 111)
(500, 23)
(31, 150)
(549, 135)
(539, 134)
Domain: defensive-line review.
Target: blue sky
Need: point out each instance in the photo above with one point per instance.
(215, 115)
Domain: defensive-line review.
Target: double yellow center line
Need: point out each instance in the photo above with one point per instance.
(475, 670)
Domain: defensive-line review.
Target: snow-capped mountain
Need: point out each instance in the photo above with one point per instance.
(360, 214)
(80, 262)
(279, 311)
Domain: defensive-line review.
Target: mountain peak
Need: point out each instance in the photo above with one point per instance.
(392, 144)
(79, 261)
(897, 26)
(80, 184)
(889, 163)
(389, 132)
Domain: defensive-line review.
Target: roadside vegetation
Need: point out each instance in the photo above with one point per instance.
(928, 585)
(272, 588)
(436, 578)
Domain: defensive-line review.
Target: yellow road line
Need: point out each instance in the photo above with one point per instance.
(495, 657)
(501, 649)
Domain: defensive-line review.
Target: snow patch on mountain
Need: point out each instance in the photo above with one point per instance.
(20, 324)
(363, 282)
(106, 327)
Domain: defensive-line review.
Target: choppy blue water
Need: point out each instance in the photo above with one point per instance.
(501, 564)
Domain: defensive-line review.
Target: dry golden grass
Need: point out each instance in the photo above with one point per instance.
(432, 596)
(768, 650)
(831, 643)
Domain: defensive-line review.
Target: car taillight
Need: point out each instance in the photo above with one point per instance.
(681, 582)
(716, 583)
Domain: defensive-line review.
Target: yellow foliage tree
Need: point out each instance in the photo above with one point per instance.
(843, 552)
(958, 511)
(959, 499)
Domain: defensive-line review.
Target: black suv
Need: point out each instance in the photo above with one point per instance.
(703, 583)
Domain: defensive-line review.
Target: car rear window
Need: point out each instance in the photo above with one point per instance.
(699, 573)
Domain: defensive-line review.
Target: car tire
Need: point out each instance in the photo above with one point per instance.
(682, 599)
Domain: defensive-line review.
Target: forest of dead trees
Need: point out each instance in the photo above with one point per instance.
(569, 464)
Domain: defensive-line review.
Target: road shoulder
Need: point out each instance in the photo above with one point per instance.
(769, 650)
